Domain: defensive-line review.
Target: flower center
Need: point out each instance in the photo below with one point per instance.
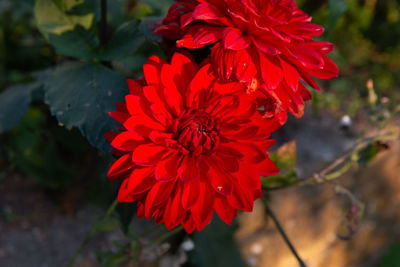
(197, 132)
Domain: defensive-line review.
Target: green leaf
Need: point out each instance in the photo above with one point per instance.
(107, 224)
(366, 155)
(133, 64)
(52, 16)
(79, 43)
(14, 103)
(285, 158)
(83, 44)
(124, 42)
(215, 246)
(81, 95)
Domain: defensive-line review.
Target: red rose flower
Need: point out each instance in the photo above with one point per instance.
(190, 145)
(266, 44)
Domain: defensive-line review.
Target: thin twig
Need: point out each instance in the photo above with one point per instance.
(103, 22)
(282, 232)
(331, 172)
(112, 207)
(83, 245)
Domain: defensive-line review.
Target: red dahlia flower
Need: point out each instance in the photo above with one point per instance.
(190, 145)
(266, 44)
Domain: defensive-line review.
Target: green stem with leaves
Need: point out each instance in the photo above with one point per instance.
(89, 238)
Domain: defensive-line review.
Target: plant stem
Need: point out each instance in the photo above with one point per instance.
(150, 231)
(341, 165)
(282, 232)
(90, 236)
(85, 242)
(112, 207)
(103, 22)
(164, 236)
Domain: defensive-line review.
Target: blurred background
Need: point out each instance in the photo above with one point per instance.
(53, 184)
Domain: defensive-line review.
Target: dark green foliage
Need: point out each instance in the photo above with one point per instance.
(81, 95)
(126, 212)
(215, 246)
(79, 43)
(159, 7)
(366, 155)
(391, 258)
(84, 44)
(336, 10)
(47, 153)
(124, 42)
(147, 26)
(14, 103)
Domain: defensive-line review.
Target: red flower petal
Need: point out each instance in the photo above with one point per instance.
(188, 224)
(126, 141)
(271, 71)
(266, 45)
(152, 69)
(291, 75)
(182, 70)
(140, 180)
(188, 171)
(142, 125)
(248, 177)
(221, 182)
(158, 194)
(121, 165)
(206, 12)
(148, 154)
(190, 194)
(329, 71)
(187, 41)
(166, 169)
(233, 39)
(251, 152)
(241, 199)
(201, 211)
(267, 168)
(123, 193)
(202, 80)
(224, 210)
(134, 87)
(174, 212)
(120, 117)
